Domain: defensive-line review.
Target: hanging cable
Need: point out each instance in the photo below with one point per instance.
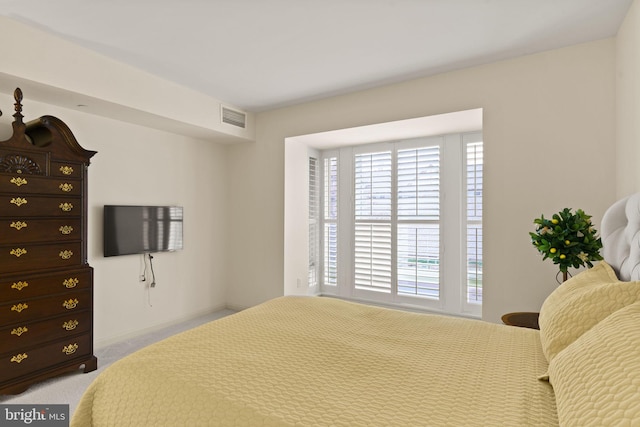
(143, 267)
(143, 276)
(153, 274)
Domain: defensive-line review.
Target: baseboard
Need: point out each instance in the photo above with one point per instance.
(158, 327)
(236, 307)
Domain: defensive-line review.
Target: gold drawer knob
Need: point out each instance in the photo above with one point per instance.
(19, 285)
(70, 325)
(65, 254)
(18, 225)
(71, 282)
(66, 229)
(19, 357)
(66, 207)
(66, 170)
(18, 252)
(66, 187)
(18, 181)
(19, 307)
(18, 201)
(70, 349)
(70, 304)
(19, 330)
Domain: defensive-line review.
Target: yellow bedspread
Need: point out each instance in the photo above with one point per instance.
(313, 361)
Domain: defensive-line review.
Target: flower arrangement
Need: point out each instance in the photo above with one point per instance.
(568, 239)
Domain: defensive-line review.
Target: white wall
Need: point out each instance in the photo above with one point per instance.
(549, 126)
(138, 165)
(628, 102)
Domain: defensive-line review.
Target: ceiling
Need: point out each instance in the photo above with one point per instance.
(263, 54)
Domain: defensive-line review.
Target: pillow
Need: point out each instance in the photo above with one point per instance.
(581, 302)
(596, 379)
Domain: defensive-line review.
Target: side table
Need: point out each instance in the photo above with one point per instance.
(522, 319)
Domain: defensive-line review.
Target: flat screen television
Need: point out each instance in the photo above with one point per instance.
(142, 229)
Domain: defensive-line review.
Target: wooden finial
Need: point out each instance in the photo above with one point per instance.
(17, 95)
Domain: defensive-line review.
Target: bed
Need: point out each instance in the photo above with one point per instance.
(318, 361)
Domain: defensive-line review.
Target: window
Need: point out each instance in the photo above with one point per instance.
(390, 210)
(372, 242)
(474, 221)
(330, 222)
(314, 216)
(418, 230)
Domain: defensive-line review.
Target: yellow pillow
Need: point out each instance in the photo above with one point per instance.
(596, 379)
(580, 303)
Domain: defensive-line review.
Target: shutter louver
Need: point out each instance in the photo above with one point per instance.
(419, 183)
(474, 171)
(419, 260)
(373, 186)
(330, 221)
(418, 237)
(373, 257)
(372, 246)
(313, 222)
(330, 254)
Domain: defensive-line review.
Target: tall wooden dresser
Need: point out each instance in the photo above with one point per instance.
(46, 284)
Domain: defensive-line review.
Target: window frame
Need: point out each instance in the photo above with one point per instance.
(315, 211)
(467, 139)
(453, 260)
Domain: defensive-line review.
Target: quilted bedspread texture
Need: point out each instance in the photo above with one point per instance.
(315, 361)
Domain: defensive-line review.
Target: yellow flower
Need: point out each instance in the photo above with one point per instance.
(567, 242)
(553, 250)
(562, 256)
(554, 221)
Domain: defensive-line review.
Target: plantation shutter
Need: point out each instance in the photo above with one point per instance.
(373, 214)
(314, 216)
(330, 222)
(474, 157)
(399, 205)
(418, 236)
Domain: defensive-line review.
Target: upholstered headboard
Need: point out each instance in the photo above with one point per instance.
(620, 233)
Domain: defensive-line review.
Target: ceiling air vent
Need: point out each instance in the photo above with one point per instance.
(234, 117)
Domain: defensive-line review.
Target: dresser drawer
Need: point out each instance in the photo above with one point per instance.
(26, 230)
(21, 257)
(34, 184)
(66, 169)
(21, 287)
(23, 205)
(28, 334)
(18, 312)
(29, 361)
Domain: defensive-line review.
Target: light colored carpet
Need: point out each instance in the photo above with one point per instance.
(68, 388)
